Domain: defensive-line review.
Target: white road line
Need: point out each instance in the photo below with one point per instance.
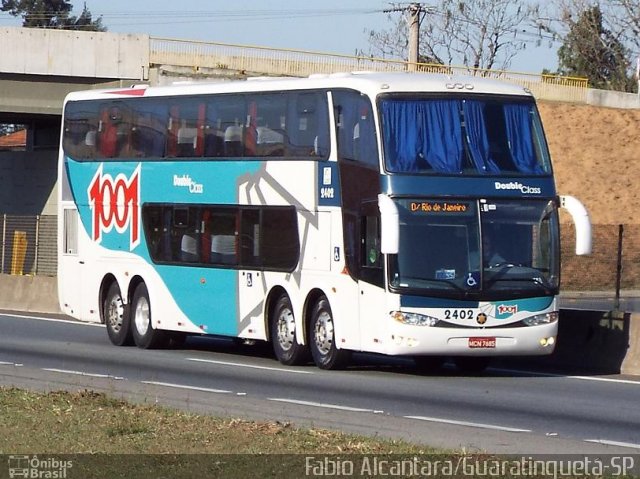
(5, 363)
(240, 365)
(554, 375)
(468, 424)
(82, 373)
(53, 320)
(183, 386)
(614, 443)
(324, 405)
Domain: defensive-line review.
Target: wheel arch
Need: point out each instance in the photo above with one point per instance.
(133, 284)
(106, 283)
(312, 298)
(270, 305)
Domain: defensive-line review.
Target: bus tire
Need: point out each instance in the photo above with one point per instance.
(284, 334)
(472, 364)
(144, 335)
(116, 317)
(322, 338)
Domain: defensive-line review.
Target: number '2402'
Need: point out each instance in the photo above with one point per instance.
(327, 192)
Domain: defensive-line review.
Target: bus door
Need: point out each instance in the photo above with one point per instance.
(73, 290)
(371, 292)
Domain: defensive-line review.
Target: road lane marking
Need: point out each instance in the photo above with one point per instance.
(468, 424)
(83, 373)
(5, 363)
(184, 386)
(614, 443)
(554, 375)
(324, 405)
(252, 366)
(53, 320)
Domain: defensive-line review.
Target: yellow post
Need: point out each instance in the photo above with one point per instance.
(19, 252)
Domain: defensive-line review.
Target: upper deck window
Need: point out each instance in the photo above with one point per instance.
(478, 135)
(283, 124)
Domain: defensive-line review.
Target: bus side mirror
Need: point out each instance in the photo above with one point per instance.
(581, 219)
(389, 225)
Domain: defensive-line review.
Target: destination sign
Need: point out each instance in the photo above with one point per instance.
(440, 207)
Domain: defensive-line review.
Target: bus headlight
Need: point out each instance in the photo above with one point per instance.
(546, 318)
(414, 319)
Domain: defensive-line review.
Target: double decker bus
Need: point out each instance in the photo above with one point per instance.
(398, 213)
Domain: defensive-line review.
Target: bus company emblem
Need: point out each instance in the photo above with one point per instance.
(481, 318)
(114, 202)
(505, 310)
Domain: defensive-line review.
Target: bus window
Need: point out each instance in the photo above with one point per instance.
(186, 129)
(114, 131)
(149, 129)
(307, 128)
(80, 130)
(355, 128)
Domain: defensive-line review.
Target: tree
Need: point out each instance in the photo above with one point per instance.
(482, 34)
(590, 50)
(51, 14)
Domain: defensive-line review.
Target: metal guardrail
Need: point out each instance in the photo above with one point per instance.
(202, 56)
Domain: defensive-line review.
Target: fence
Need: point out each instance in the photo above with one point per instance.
(613, 265)
(29, 245)
(200, 56)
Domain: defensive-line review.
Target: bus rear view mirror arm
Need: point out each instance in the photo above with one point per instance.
(580, 217)
(389, 225)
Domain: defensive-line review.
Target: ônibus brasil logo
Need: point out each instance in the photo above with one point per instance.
(114, 202)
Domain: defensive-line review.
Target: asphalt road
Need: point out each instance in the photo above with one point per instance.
(501, 411)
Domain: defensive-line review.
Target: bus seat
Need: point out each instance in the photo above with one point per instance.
(223, 249)
(90, 138)
(187, 138)
(188, 248)
(233, 141)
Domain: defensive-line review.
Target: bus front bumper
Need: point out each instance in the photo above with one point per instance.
(518, 341)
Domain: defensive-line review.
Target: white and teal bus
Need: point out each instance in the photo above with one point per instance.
(400, 213)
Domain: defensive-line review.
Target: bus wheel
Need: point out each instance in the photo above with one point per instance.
(323, 342)
(144, 335)
(283, 334)
(472, 364)
(116, 317)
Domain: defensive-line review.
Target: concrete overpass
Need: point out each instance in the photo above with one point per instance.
(39, 67)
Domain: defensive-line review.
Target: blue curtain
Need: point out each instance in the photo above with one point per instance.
(421, 135)
(477, 135)
(519, 135)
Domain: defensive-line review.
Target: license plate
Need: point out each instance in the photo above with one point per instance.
(482, 342)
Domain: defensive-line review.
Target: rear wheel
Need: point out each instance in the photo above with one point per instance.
(284, 335)
(323, 341)
(144, 335)
(116, 317)
(472, 364)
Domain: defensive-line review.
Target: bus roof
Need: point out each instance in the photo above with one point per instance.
(370, 83)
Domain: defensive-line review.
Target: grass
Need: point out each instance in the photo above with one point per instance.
(121, 439)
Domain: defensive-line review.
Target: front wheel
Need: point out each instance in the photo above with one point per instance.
(284, 335)
(323, 341)
(144, 335)
(116, 317)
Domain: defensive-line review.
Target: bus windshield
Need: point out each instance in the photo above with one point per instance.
(499, 136)
(471, 248)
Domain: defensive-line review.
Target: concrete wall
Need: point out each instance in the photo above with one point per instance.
(612, 99)
(35, 294)
(39, 51)
(29, 182)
